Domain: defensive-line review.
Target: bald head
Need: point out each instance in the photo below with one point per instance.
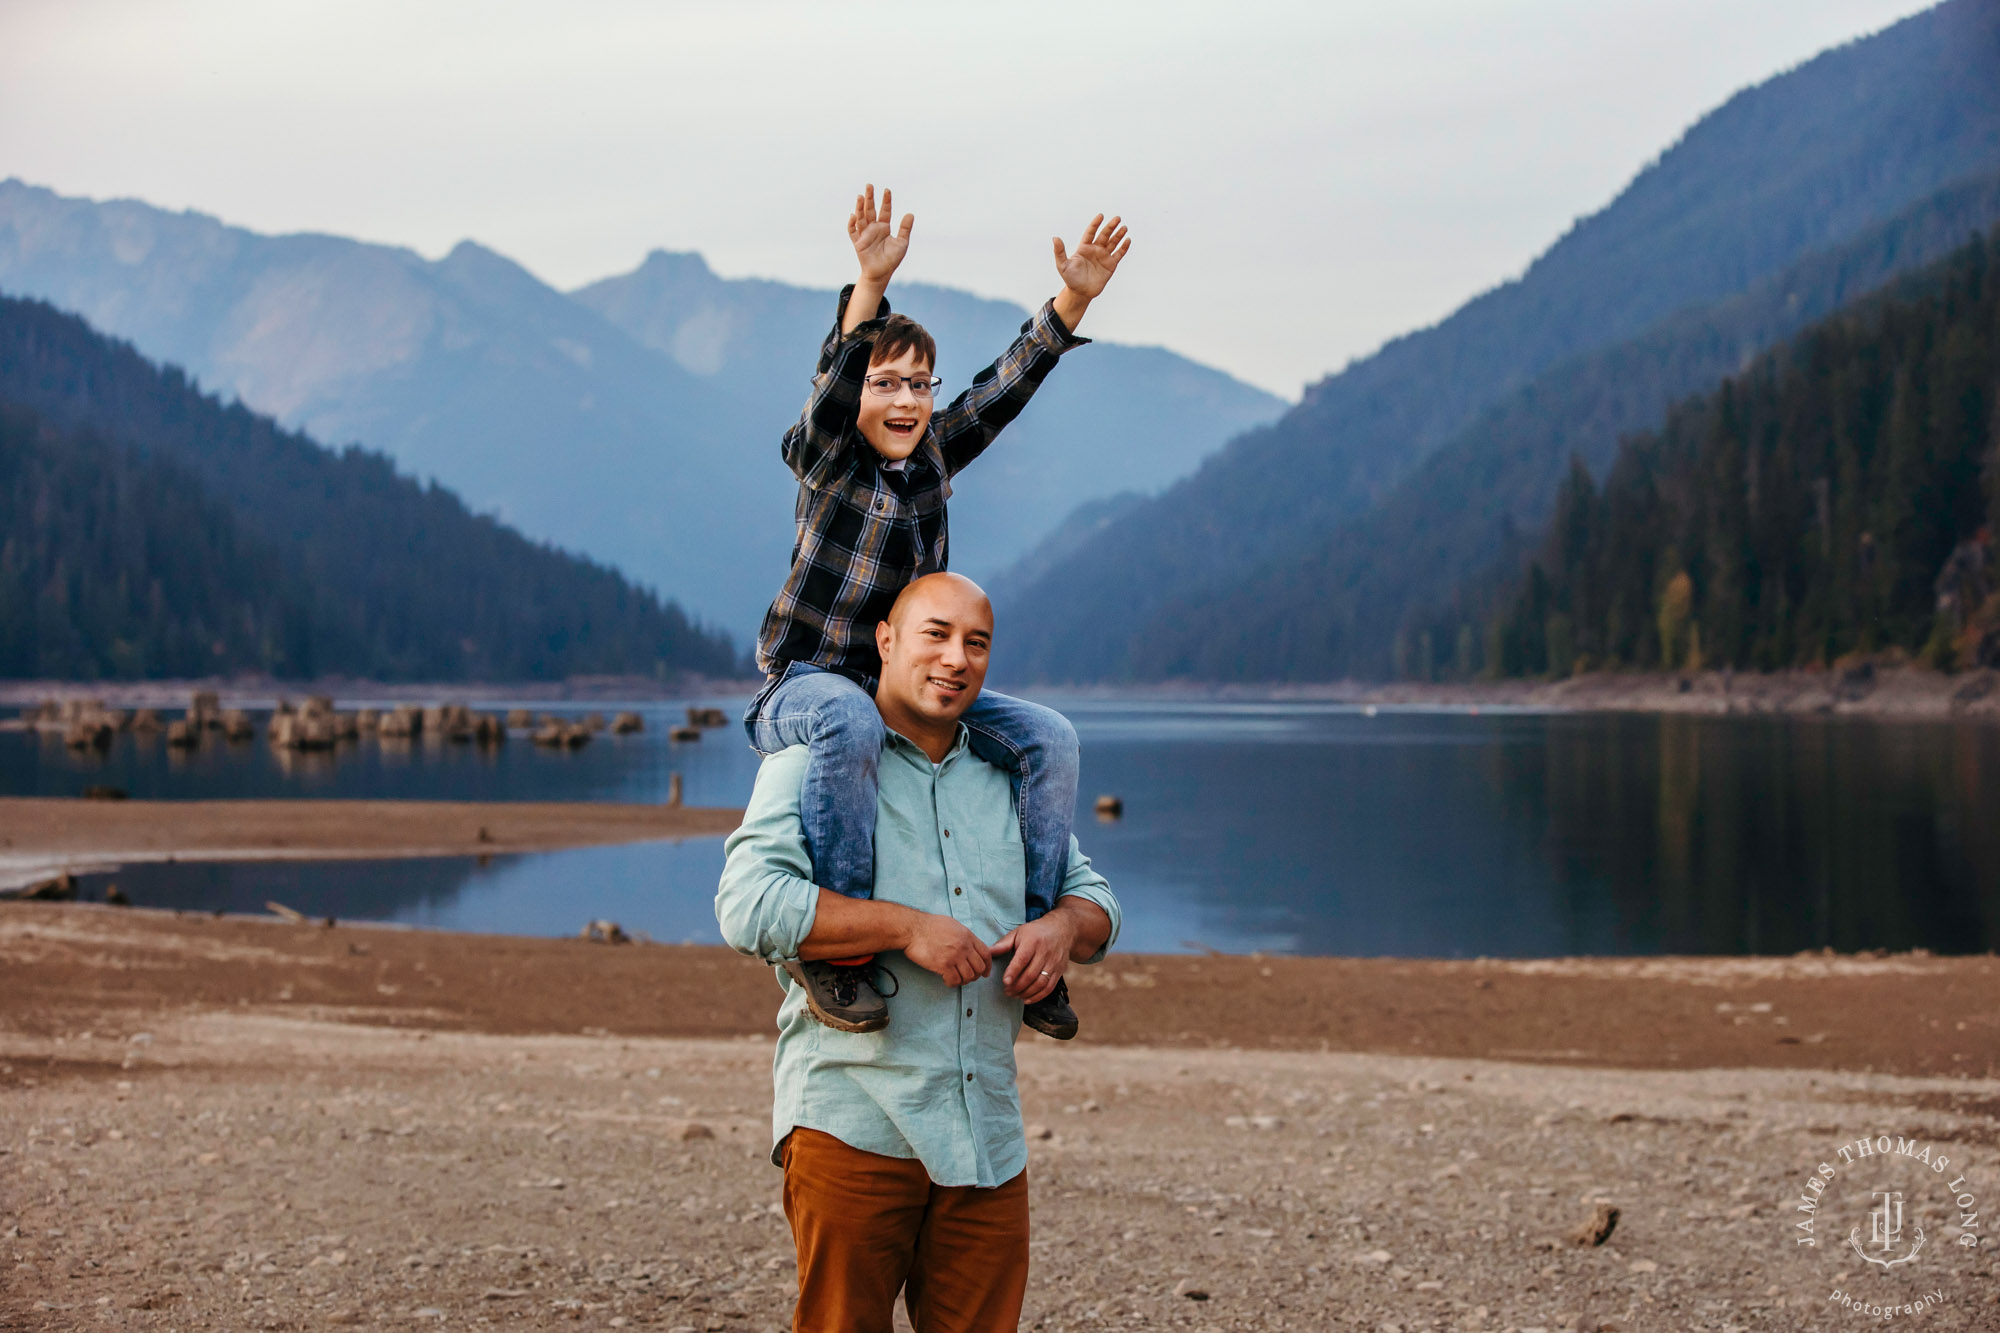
(934, 646)
(953, 591)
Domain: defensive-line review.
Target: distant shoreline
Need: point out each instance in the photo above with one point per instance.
(259, 691)
(46, 836)
(1898, 692)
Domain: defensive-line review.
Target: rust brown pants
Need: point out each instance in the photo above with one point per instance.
(868, 1226)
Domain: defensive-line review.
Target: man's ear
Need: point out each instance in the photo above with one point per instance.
(883, 636)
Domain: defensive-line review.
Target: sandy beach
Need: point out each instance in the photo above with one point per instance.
(227, 1123)
(40, 837)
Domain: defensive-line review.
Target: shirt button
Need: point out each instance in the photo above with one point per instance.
(956, 889)
(880, 504)
(947, 833)
(968, 1078)
(968, 1013)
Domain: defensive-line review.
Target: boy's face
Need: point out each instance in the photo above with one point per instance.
(894, 425)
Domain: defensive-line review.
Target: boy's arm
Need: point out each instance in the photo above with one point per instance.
(999, 392)
(812, 447)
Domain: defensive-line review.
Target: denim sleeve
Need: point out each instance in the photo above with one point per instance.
(767, 901)
(812, 447)
(1085, 883)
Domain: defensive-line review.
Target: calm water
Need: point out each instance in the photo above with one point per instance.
(1302, 828)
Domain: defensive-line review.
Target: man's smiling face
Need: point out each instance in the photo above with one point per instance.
(895, 425)
(934, 649)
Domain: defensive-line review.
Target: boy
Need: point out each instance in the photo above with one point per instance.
(874, 467)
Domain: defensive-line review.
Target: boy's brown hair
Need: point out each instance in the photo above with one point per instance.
(903, 334)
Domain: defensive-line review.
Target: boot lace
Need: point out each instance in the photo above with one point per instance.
(846, 982)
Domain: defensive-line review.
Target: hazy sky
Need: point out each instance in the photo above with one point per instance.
(1302, 180)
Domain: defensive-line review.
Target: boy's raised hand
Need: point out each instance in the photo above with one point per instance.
(878, 248)
(1085, 272)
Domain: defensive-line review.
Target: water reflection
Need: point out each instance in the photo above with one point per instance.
(1288, 827)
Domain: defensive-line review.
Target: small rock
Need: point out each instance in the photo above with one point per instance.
(1643, 1266)
(1186, 1287)
(693, 1129)
(1092, 1105)
(1376, 1257)
(1597, 1228)
(1041, 1132)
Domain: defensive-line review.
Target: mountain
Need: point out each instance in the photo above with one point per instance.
(150, 529)
(1798, 165)
(1367, 600)
(636, 422)
(1839, 495)
(1113, 418)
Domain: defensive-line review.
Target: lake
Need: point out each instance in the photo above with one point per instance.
(1285, 827)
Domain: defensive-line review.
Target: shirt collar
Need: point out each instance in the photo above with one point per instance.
(927, 451)
(959, 742)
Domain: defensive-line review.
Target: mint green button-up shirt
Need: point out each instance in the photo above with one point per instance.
(938, 1084)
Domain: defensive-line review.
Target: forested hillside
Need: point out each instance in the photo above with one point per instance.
(1839, 496)
(1799, 165)
(117, 565)
(1386, 594)
(150, 529)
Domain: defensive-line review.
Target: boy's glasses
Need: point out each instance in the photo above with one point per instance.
(885, 386)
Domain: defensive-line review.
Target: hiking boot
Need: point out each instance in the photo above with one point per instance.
(842, 997)
(1051, 1015)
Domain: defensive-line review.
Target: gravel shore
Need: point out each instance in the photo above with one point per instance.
(204, 1125)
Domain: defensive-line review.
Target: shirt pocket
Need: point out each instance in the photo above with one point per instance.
(1003, 868)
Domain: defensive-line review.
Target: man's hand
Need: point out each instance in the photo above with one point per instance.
(941, 945)
(1041, 950)
(1085, 272)
(879, 249)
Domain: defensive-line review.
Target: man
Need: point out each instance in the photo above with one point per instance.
(903, 1151)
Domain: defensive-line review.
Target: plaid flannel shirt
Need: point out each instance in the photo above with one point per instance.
(863, 531)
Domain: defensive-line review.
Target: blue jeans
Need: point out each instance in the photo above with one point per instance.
(809, 705)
